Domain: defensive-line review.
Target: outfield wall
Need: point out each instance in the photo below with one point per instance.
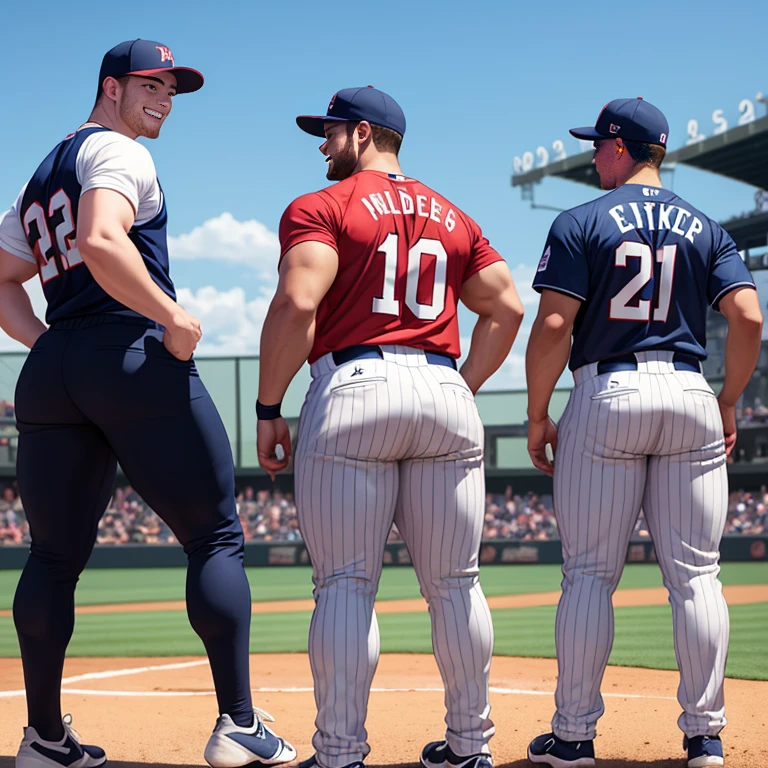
(494, 551)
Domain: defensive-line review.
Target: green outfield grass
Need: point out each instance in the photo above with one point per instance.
(643, 634)
(139, 585)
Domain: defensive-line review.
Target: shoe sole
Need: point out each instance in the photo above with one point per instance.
(35, 761)
(556, 762)
(236, 759)
(706, 761)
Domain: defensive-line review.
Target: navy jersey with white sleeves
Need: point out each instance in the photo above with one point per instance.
(645, 264)
(41, 227)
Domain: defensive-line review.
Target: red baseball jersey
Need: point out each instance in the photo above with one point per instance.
(404, 253)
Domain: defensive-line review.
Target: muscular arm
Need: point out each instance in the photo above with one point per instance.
(306, 273)
(103, 222)
(17, 318)
(491, 294)
(741, 308)
(548, 349)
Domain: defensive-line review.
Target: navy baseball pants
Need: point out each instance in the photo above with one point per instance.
(93, 392)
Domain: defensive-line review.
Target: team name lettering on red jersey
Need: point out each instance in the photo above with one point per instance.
(427, 207)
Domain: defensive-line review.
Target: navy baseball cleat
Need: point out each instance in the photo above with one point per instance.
(547, 749)
(313, 762)
(437, 754)
(68, 752)
(232, 746)
(704, 751)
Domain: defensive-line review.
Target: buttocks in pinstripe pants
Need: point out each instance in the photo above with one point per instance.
(379, 440)
(650, 438)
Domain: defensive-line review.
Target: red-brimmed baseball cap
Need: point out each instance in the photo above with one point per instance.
(147, 57)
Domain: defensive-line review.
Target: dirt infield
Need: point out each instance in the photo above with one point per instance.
(161, 711)
(735, 595)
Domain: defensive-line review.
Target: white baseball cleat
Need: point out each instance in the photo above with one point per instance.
(232, 746)
(68, 752)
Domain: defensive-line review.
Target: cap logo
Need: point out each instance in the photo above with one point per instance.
(614, 128)
(165, 54)
(663, 138)
(333, 101)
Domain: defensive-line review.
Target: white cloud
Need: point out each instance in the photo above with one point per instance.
(225, 239)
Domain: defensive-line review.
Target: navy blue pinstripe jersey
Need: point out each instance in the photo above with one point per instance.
(645, 265)
(48, 214)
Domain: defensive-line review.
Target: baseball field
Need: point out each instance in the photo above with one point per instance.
(136, 681)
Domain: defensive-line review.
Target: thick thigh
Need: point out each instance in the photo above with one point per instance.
(163, 426)
(440, 514)
(599, 479)
(65, 474)
(345, 509)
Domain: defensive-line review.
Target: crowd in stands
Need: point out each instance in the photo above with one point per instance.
(271, 516)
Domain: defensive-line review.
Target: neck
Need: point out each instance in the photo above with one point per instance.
(106, 115)
(386, 162)
(644, 175)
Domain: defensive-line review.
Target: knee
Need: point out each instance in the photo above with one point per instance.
(444, 584)
(602, 575)
(350, 582)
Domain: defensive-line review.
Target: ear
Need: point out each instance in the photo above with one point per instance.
(364, 131)
(620, 147)
(110, 88)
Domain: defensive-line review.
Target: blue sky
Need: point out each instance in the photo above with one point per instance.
(479, 84)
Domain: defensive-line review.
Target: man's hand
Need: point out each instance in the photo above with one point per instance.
(728, 414)
(539, 434)
(269, 434)
(181, 336)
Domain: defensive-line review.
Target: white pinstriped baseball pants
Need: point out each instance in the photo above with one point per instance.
(381, 440)
(651, 438)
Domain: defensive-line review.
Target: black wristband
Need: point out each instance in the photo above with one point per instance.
(267, 412)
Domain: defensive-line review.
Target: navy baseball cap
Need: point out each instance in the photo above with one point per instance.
(632, 119)
(355, 105)
(147, 57)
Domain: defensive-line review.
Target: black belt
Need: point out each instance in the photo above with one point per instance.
(680, 360)
(360, 351)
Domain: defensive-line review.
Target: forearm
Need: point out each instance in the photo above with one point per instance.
(117, 266)
(286, 341)
(545, 359)
(492, 338)
(742, 349)
(17, 318)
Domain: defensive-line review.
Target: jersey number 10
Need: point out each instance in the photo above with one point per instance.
(387, 304)
(620, 307)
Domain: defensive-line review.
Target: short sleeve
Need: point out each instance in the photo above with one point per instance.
(12, 236)
(727, 270)
(563, 266)
(310, 217)
(108, 160)
(483, 254)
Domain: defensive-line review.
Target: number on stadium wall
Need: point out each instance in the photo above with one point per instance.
(60, 207)
(620, 308)
(387, 304)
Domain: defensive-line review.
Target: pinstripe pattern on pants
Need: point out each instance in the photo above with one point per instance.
(382, 440)
(651, 438)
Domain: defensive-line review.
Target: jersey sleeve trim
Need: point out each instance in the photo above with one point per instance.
(716, 303)
(539, 287)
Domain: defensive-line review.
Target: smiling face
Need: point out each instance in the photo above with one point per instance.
(340, 150)
(144, 102)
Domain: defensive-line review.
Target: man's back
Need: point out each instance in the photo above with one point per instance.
(404, 253)
(646, 264)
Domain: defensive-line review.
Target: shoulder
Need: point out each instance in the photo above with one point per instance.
(111, 148)
(312, 202)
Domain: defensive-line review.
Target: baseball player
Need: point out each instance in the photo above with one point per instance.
(371, 273)
(111, 380)
(631, 276)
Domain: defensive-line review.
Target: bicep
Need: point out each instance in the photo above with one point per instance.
(307, 272)
(558, 306)
(103, 213)
(487, 287)
(14, 269)
(742, 303)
